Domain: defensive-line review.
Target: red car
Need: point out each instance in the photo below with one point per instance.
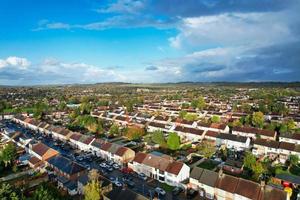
(126, 170)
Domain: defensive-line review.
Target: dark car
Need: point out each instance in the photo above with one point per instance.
(191, 193)
(130, 184)
(177, 190)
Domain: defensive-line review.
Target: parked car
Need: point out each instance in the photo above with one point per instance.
(118, 183)
(130, 184)
(142, 176)
(177, 190)
(110, 169)
(160, 191)
(112, 179)
(126, 170)
(103, 165)
(116, 166)
(191, 193)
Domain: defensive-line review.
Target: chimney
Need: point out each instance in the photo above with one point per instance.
(221, 172)
(262, 183)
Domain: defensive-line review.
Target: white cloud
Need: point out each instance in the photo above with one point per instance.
(20, 63)
(257, 29)
(124, 6)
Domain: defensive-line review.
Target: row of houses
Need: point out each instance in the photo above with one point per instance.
(273, 149)
(213, 185)
(117, 153)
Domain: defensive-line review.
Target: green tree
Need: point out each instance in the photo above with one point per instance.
(114, 130)
(182, 114)
(258, 119)
(290, 123)
(246, 107)
(258, 169)
(206, 149)
(215, 119)
(93, 189)
(198, 103)
(191, 117)
(134, 133)
(129, 106)
(158, 138)
(86, 107)
(8, 154)
(173, 141)
(40, 109)
(294, 159)
(249, 160)
(237, 123)
(62, 105)
(44, 193)
(7, 192)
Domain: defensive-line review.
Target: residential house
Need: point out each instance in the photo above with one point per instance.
(217, 127)
(191, 134)
(235, 142)
(161, 168)
(65, 167)
(42, 151)
(225, 186)
(290, 137)
(254, 133)
(204, 181)
(262, 147)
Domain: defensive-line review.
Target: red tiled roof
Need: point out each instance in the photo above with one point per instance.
(121, 151)
(34, 160)
(76, 136)
(174, 167)
(189, 130)
(227, 183)
(211, 134)
(105, 146)
(40, 149)
(139, 157)
(264, 132)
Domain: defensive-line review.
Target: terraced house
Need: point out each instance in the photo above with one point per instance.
(161, 168)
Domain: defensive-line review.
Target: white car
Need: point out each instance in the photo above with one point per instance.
(103, 165)
(118, 183)
(116, 166)
(160, 191)
(142, 176)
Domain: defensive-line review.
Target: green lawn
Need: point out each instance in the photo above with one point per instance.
(208, 164)
(166, 187)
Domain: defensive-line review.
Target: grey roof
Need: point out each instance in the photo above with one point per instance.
(209, 177)
(289, 178)
(196, 173)
(232, 137)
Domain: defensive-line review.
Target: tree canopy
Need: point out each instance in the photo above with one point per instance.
(173, 141)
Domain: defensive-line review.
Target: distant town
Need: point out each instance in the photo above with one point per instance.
(119, 141)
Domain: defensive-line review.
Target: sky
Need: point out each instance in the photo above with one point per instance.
(148, 41)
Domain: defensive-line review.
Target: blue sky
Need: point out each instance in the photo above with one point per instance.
(146, 41)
